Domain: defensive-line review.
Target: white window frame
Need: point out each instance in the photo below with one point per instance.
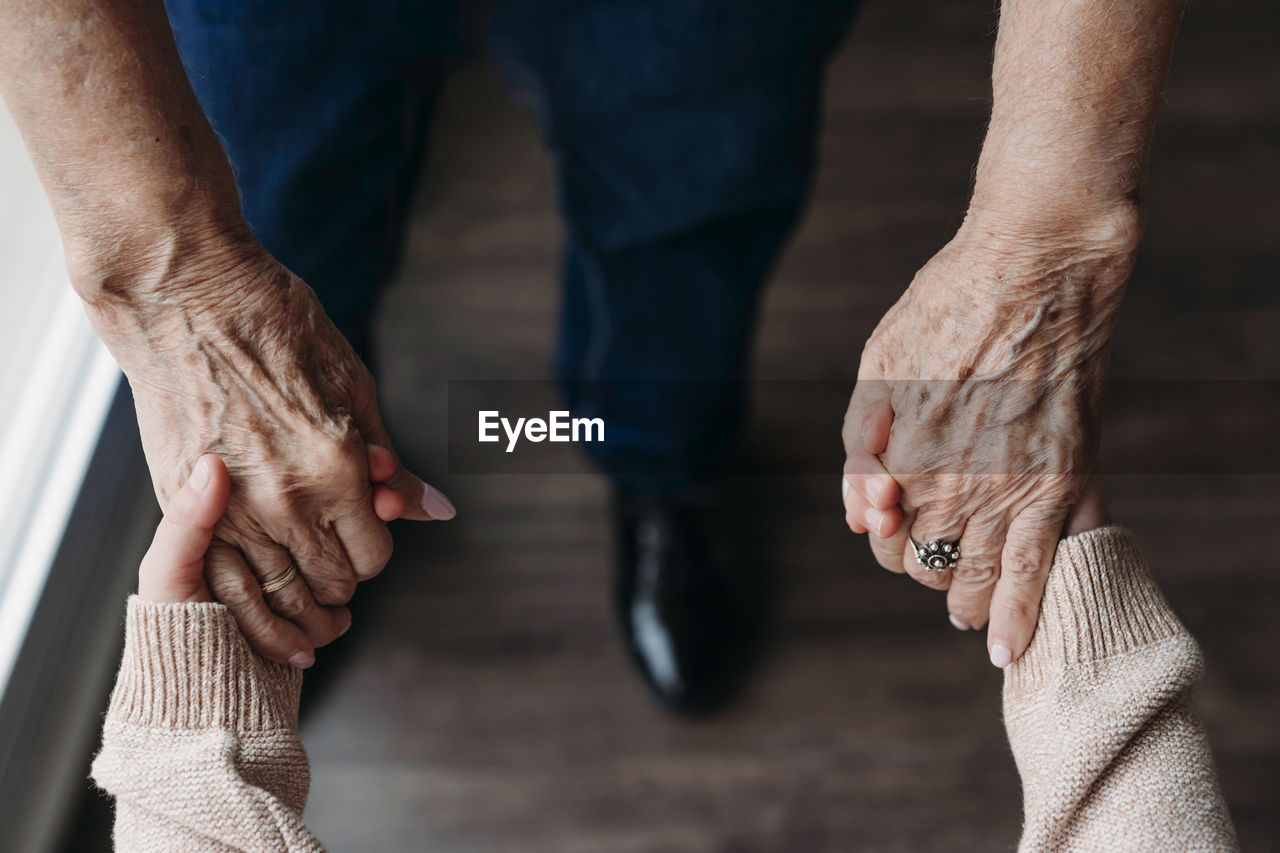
(76, 512)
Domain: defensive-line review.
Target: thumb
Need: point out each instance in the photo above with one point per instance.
(1025, 561)
(173, 568)
(421, 501)
(871, 495)
(868, 418)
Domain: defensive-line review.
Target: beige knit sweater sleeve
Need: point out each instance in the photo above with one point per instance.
(200, 746)
(1097, 712)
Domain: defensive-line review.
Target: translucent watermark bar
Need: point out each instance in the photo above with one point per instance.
(971, 427)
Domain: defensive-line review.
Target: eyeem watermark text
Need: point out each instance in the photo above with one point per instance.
(558, 427)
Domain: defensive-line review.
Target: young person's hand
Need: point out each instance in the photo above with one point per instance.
(173, 569)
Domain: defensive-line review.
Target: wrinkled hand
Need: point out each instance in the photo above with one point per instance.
(173, 569)
(975, 419)
(237, 357)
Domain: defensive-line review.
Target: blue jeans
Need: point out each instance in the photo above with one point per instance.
(683, 133)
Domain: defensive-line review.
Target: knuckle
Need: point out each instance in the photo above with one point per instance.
(278, 502)
(234, 589)
(334, 454)
(290, 604)
(975, 574)
(953, 506)
(333, 592)
(1024, 564)
(1060, 481)
(377, 558)
(938, 508)
(887, 560)
(331, 462)
(874, 358)
(983, 533)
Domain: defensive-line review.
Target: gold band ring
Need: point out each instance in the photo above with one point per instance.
(281, 580)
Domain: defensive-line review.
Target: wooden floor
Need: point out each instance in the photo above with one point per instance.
(484, 704)
(481, 703)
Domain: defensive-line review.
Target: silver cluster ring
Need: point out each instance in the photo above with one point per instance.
(938, 555)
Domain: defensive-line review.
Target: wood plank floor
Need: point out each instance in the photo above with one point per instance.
(481, 703)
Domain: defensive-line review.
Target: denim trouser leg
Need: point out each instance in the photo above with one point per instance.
(683, 131)
(322, 107)
(684, 135)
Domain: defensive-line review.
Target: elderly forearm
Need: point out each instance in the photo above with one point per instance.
(1075, 89)
(135, 174)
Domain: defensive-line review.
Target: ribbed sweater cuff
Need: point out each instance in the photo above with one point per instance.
(187, 666)
(1099, 601)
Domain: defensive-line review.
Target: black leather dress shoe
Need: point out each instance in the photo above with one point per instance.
(683, 600)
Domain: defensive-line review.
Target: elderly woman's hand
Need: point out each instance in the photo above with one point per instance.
(229, 352)
(974, 419)
(173, 570)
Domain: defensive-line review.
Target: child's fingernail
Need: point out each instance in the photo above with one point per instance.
(200, 475)
(844, 489)
(302, 660)
(436, 504)
(875, 488)
(960, 624)
(876, 520)
(1001, 655)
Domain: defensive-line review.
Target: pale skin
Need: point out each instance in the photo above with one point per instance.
(229, 352)
(974, 418)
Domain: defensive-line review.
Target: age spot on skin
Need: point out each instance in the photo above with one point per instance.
(259, 425)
